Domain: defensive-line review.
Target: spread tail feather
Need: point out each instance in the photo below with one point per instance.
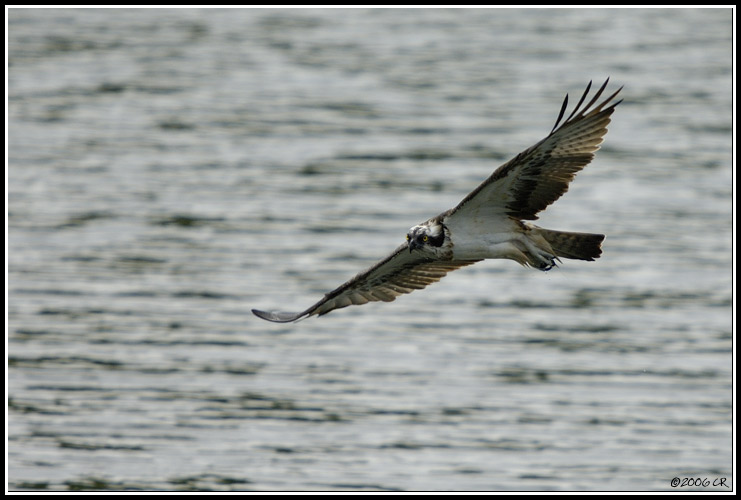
(582, 246)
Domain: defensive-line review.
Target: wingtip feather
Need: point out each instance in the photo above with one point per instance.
(277, 317)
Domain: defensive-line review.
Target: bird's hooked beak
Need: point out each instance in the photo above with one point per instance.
(412, 244)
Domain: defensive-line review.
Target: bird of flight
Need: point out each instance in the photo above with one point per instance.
(490, 223)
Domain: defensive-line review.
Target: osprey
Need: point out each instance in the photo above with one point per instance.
(490, 223)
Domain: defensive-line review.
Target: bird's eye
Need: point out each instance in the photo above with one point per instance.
(425, 238)
(407, 237)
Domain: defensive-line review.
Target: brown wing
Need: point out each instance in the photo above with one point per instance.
(538, 176)
(399, 273)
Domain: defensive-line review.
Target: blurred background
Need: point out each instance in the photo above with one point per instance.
(169, 169)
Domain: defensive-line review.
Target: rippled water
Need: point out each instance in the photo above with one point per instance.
(168, 170)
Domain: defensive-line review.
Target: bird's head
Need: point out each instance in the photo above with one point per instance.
(427, 237)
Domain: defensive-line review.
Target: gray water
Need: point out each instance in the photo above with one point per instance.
(169, 170)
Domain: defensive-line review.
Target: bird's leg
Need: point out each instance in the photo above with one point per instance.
(539, 258)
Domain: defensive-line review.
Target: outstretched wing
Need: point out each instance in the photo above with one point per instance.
(538, 176)
(399, 273)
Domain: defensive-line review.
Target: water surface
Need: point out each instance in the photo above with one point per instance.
(169, 170)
